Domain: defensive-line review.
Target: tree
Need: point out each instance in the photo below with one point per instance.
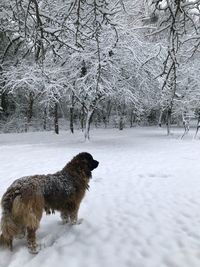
(178, 19)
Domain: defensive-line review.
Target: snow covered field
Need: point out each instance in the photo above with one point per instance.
(142, 210)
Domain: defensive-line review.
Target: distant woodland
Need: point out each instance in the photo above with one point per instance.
(74, 64)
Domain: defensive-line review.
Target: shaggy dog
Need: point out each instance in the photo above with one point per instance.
(24, 201)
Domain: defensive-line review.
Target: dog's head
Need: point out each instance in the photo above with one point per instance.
(81, 165)
(88, 159)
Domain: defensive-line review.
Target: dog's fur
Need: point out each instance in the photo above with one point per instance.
(24, 201)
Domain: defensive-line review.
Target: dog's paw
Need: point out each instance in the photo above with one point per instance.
(77, 222)
(64, 221)
(34, 249)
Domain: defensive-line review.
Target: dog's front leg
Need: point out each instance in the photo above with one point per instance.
(65, 216)
(74, 216)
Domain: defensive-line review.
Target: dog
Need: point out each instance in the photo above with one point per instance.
(25, 200)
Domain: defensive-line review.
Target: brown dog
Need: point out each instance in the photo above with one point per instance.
(24, 201)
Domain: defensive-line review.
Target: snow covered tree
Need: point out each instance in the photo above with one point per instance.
(179, 21)
(99, 58)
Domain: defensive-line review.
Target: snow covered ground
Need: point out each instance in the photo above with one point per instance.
(142, 210)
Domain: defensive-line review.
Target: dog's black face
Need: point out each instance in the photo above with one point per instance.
(93, 164)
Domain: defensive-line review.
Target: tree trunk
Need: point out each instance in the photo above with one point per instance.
(160, 118)
(132, 118)
(121, 123)
(45, 119)
(109, 108)
(30, 108)
(82, 118)
(168, 122)
(186, 123)
(198, 125)
(105, 121)
(87, 124)
(25, 125)
(121, 118)
(56, 127)
(4, 102)
(72, 113)
(1, 108)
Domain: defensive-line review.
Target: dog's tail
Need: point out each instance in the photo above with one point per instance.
(9, 227)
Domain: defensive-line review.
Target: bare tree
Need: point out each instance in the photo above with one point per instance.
(178, 20)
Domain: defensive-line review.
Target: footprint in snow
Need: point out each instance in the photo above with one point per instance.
(153, 175)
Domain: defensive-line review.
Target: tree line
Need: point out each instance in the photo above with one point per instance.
(112, 63)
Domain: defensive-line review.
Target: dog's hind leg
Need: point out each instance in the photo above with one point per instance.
(7, 242)
(31, 239)
(32, 222)
(27, 210)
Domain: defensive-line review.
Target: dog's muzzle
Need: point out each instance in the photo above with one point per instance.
(95, 164)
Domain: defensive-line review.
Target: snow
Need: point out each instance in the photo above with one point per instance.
(142, 209)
